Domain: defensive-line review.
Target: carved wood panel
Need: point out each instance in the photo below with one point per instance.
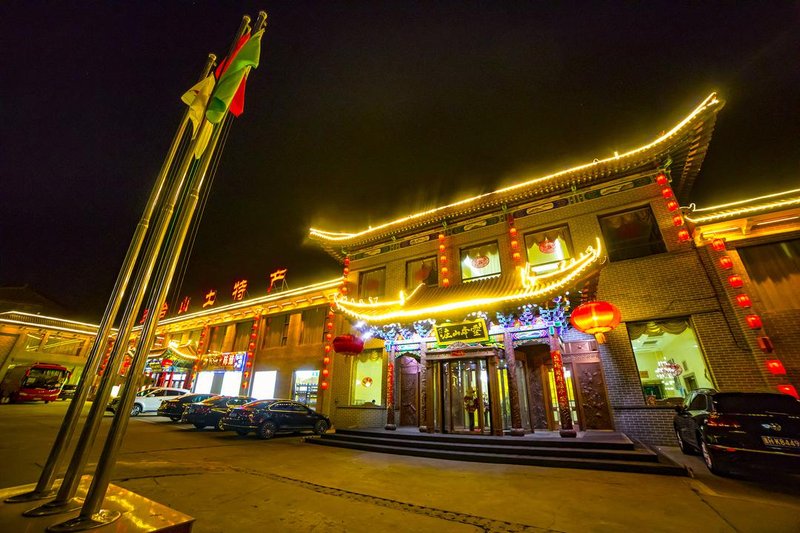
(536, 394)
(592, 398)
(409, 391)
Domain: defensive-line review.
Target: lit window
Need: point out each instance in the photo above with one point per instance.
(372, 284)
(422, 271)
(305, 387)
(774, 271)
(480, 262)
(368, 378)
(546, 249)
(669, 360)
(631, 234)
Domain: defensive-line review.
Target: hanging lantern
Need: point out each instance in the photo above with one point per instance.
(672, 205)
(595, 318)
(718, 245)
(776, 367)
(735, 281)
(348, 344)
(754, 321)
(324, 385)
(666, 192)
(725, 262)
(683, 235)
(677, 220)
(789, 389)
(661, 179)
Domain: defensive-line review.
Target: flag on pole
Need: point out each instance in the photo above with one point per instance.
(197, 99)
(233, 74)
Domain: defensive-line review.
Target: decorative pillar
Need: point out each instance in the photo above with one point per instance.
(513, 391)
(390, 425)
(561, 389)
(423, 427)
(427, 410)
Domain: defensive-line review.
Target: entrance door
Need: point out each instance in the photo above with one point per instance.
(573, 406)
(409, 391)
(591, 388)
(465, 396)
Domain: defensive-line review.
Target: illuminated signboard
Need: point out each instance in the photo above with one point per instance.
(470, 331)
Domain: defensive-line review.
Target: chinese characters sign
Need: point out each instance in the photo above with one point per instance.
(211, 299)
(278, 275)
(224, 361)
(470, 331)
(239, 289)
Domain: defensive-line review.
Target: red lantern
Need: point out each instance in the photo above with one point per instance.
(661, 179)
(326, 360)
(325, 372)
(595, 318)
(324, 385)
(516, 256)
(683, 235)
(345, 271)
(743, 300)
(441, 237)
(718, 245)
(754, 321)
(166, 362)
(725, 262)
(514, 245)
(666, 192)
(788, 389)
(776, 367)
(443, 259)
(672, 205)
(677, 220)
(347, 261)
(446, 282)
(348, 344)
(512, 231)
(735, 281)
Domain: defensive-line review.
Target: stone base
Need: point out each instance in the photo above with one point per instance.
(137, 513)
(568, 433)
(390, 427)
(517, 432)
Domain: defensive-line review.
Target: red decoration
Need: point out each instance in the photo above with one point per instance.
(441, 248)
(788, 389)
(324, 385)
(515, 256)
(754, 321)
(661, 179)
(677, 220)
(683, 235)
(326, 360)
(718, 245)
(595, 317)
(735, 281)
(672, 205)
(666, 192)
(348, 344)
(441, 237)
(725, 262)
(514, 245)
(743, 300)
(547, 246)
(325, 372)
(347, 261)
(512, 231)
(765, 344)
(446, 282)
(776, 367)
(166, 362)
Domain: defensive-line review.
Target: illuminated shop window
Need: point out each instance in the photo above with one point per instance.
(264, 384)
(480, 262)
(305, 386)
(774, 271)
(367, 375)
(669, 360)
(422, 271)
(372, 284)
(631, 234)
(546, 249)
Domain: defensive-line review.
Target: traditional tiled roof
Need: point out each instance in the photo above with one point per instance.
(685, 145)
(745, 208)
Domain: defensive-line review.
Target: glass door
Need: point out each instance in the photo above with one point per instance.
(465, 396)
(573, 407)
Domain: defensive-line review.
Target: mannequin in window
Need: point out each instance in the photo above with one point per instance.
(470, 406)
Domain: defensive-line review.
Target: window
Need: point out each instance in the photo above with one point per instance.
(774, 271)
(305, 387)
(277, 331)
(422, 271)
(699, 403)
(215, 341)
(372, 284)
(264, 384)
(368, 378)
(57, 344)
(313, 325)
(669, 359)
(480, 262)
(631, 234)
(547, 248)
(241, 341)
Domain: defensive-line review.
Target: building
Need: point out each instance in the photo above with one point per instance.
(467, 305)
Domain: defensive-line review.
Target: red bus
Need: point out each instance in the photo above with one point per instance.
(31, 382)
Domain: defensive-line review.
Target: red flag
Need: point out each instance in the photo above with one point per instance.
(237, 104)
(223, 66)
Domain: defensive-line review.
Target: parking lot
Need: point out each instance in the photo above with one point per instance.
(233, 483)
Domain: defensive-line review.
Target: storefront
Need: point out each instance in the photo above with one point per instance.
(220, 373)
(170, 367)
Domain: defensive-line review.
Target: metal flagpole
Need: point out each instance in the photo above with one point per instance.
(44, 487)
(91, 515)
(64, 500)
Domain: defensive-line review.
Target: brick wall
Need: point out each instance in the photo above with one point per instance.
(652, 425)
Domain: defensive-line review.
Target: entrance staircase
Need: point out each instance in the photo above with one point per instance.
(591, 450)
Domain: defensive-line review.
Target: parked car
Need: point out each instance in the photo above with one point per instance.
(210, 412)
(268, 417)
(174, 408)
(148, 400)
(760, 429)
(67, 392)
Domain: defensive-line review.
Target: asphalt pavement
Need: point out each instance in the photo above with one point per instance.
(242, 484)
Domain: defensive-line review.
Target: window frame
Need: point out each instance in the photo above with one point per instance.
(361, 276)
(569, 244)
(435, 259)
(461, 251)
(612, 250)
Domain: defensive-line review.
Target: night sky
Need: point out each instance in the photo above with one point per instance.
(360, 112)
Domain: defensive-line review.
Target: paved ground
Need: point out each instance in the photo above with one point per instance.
(234, 484)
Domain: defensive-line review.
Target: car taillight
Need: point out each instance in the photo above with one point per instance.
(716, 420)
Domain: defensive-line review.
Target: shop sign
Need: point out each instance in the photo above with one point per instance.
(154, 364)
(225, 361)
(469, 331)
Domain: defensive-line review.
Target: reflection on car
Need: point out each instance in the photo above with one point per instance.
(760, 429)
(268, 417)
(174, 408)
(209, 412)
(148, 400)
(67, 392)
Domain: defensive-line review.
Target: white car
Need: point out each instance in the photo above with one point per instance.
(149, 400)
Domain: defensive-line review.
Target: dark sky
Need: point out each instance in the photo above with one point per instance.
(359, 112)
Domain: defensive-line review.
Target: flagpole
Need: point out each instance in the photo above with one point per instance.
(91, 515)
(64, 500)
(44, 486)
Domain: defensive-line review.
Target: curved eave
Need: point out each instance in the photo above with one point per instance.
(686, 144)
(752, 206)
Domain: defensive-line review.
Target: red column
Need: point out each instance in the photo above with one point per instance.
(561, 389)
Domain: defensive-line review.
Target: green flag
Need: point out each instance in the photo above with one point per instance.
(232, 78)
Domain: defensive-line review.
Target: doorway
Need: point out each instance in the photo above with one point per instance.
(464, 397)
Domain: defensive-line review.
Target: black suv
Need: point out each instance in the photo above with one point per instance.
(745, 428)
(267, 417)
(174, 408)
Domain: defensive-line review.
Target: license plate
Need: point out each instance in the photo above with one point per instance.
(781, 442)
